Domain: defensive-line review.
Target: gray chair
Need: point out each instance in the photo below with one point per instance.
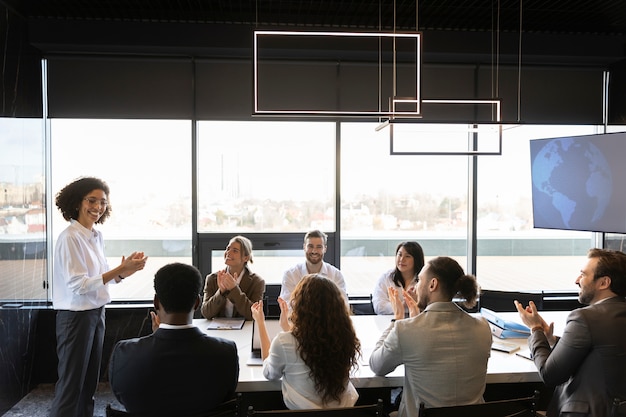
(517, 407)
(369, 410)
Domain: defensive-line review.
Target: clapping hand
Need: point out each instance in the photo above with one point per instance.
(257, 311)
(396, 303)
(411, 303)
(285, 324)
(226, 281)
(531, 318)
(136, 261)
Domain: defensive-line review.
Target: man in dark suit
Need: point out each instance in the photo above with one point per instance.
(177, 370)
(588, 363)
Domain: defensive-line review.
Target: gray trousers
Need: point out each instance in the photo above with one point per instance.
(80, 337)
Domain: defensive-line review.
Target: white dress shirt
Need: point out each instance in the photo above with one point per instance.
(293, 275)
(78, 265)
(380, 297)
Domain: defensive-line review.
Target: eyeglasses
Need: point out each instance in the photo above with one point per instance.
(93, 200)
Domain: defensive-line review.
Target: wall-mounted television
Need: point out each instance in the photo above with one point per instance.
(579, 183)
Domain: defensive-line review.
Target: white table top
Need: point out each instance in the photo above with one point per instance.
(502, 367)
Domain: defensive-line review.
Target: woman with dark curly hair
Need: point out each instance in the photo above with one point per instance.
(80, 289)
(317, 350)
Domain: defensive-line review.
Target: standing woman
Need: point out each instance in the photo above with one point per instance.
(80, 290)
(231, 291)
(316, 353)
(409, 263)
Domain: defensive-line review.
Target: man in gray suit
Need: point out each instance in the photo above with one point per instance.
(588, 363)
(444, 350)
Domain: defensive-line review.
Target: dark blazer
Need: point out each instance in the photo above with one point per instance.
(174, 371)
(588, 363)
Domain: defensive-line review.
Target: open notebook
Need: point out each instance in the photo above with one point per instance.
(273, 328)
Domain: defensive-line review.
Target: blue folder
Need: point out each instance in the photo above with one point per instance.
(502, 328)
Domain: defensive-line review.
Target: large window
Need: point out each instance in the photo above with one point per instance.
(387, 199)
(279, 179)
(266, 176)
(512, 255)
(23, 259)
(147, 165)
(275, 178)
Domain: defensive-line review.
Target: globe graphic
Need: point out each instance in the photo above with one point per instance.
(574, 182)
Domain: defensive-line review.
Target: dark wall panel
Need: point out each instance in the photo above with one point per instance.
(134, 88)
(548, 95)
(617, 93)
(120, 88)
(20, 77)
(223, 89)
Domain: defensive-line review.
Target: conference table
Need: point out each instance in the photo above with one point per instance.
(502, 367)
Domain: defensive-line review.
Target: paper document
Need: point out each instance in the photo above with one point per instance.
(226, 323)
(504, 346)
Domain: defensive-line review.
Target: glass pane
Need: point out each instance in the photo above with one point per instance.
(147, 165)
(23, 259)
(266, 176)
(389, 199)
(512, 255)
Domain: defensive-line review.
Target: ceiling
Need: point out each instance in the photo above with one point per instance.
(598, 17)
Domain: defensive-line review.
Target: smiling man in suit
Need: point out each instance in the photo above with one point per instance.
(587, 364)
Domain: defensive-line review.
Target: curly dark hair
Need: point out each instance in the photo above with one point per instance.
(69, 199)
(327, 341)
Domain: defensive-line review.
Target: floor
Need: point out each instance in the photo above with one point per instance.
(37, 402)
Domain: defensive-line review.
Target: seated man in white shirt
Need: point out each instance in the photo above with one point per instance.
(314, 250)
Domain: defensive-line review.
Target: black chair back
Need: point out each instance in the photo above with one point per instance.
(370, 410)
(270, 300)
(517, 407)
(503, 300)
(230, 408)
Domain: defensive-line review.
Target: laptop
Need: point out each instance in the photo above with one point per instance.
(273, 328)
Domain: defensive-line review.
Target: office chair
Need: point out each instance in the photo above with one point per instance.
(517, 407)
(368, 410)
(361, 304)
(503, 300)
(270, 300)
(228, 408)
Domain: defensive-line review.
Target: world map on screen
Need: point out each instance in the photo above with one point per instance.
(575, 178)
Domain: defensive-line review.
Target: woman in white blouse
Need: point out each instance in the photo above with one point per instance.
(409, 262)
(317, 350)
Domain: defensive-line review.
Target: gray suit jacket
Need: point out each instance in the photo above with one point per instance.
(588, 363)
(444, 351)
